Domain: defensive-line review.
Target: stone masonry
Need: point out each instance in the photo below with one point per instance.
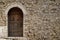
(42, 21)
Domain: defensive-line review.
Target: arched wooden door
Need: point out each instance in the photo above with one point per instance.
(15, 22)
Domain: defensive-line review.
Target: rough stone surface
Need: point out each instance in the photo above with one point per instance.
(42, 22)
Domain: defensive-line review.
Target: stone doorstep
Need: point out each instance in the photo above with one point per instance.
(13, 39)
(6, 39)
(2, 39)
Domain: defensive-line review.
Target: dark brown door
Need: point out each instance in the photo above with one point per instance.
(15, 22)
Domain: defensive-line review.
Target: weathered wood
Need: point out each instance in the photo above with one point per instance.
(15, 22)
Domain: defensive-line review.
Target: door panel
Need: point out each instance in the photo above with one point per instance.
(15, 23)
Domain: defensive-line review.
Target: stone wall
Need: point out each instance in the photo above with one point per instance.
(42, 22)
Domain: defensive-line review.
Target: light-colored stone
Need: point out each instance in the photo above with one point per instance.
(2, 39)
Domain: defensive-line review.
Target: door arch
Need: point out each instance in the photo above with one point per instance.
(15, 22)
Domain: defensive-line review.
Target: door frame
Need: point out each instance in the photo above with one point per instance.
(8, 7)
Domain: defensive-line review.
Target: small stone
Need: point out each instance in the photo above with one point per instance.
(53, 0)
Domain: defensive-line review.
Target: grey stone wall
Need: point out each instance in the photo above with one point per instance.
(42, 22)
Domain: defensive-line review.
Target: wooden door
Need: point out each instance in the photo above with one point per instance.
(15, 22)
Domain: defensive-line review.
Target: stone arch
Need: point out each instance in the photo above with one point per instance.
(19, 5)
